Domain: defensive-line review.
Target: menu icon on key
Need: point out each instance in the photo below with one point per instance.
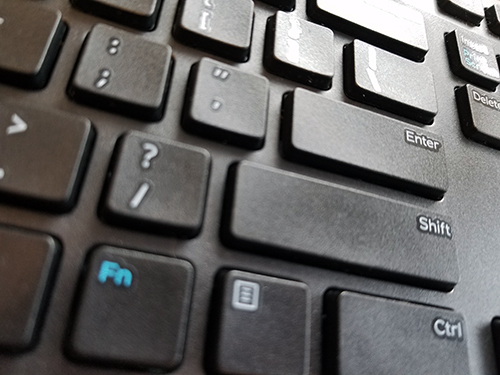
(245, 295)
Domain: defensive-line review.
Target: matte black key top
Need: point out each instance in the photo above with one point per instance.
(493, 18)
(282, 214)
(222, 27)
(141, 15)
(27, 264)
(157, 185)
(43, 155)
(378, 336)
(261, 326)
(226, 104)
(30, 38)
(469, 10)
(299, 50)
(390, 82)
(123, 73)
(472, 58)
(479, 115)
(287, 5)
(345, 139)
(384, 23)
(133, 310)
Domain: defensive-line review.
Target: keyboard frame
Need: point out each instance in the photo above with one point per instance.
(472, 201)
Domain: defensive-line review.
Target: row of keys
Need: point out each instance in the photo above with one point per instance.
(143, 15)
(132, 311)
(160, 186)
(121, 72)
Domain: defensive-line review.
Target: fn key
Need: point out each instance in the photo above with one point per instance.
(378, 336)
(260, 326)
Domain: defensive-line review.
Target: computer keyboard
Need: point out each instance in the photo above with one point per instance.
(228, 187)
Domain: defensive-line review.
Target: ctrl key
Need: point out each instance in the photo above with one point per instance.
(133, 310)
(378, 336)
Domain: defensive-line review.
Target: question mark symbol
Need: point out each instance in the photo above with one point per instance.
(151, 151)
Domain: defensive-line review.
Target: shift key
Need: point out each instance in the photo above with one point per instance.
(286, 215)
(345, 139)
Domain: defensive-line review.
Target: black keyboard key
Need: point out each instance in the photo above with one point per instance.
(287, 5)
(299, 50)
(470, 11)
(345, 139)
(479, 115)
(43, 155)
(123, 73)
(222, 27)
(384, 23)
(226, 104)
(473, 59)
(157, 185)
(30, 38)
(141, 15)
(286, 215)
(390, 82)
(133, 310)
(493, 18)
(261, 325)
(27, 265)
(378, 336)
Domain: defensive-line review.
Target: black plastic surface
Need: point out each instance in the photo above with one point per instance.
(377, 336)
(261, 325)
(472, 200)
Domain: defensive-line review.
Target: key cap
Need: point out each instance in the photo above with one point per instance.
(123, 73)
(378, 336)
(133, 310)
(43, 156)
(287, 5)
(282, 214)
(493, 18)
(472, 59)
(345, 139)
(299, 50)
(387, 81)
(469, 10)
(30, 38)
(261, 325)
(226, 104)
(27, 265)
(157, 186)
(222, 27)
(479, 113)
(384, 23)
(141, 15)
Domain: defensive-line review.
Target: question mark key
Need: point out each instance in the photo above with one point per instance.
(156, 185)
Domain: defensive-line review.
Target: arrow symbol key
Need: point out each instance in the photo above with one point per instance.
(18, 125)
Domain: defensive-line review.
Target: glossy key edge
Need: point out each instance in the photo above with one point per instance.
(41, 79)
(199, 41)
(362, 95)
(99, 9)
(50, 277)
(403, 49)
(461, 13)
